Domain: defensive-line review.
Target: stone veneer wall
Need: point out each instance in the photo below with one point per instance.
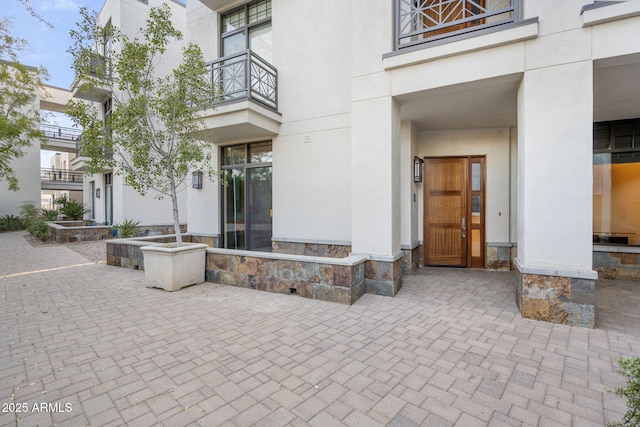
(499, 256)
(329, 279)
(126, 252)
(155, 230)
(321, 249)
(412, 259)
(556, 299)
(383, 277)
(613, 262)
(65, 233)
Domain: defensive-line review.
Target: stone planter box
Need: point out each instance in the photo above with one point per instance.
(172, 267)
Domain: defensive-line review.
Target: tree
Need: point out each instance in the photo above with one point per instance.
(150, 135)
(27, 5)
(19, 111)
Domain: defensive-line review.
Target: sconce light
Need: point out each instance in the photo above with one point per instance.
(196, 180)
(417, 169)
(97, 193)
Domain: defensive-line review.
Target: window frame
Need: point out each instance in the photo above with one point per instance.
(246, 28)
(617, 152)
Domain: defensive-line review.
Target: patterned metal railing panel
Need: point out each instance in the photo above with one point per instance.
(60, 175)
(244, 75)
(421, 21)
(81, 152)
(59, 132)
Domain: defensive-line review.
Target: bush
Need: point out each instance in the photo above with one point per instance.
(127, 228)
(630, 368)
(74, 210)
(40, 229)
(10, 223)
(49, 214)
(29, 213)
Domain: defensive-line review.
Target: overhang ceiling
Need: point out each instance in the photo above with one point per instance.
(490, 103)
(616, 88)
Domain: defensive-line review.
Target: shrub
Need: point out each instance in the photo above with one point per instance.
(127, 228)
(62, 200)
(10, 223)
(49, 214)
(630, 368)
(74, 210)
(29, 213)
(39, 229)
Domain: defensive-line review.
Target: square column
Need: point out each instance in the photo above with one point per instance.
(555, 120)
(375, 192)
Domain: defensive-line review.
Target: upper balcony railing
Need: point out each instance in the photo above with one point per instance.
(423, 21)
(59, 132)
(82, 152)
(244, 76)
(60, 175)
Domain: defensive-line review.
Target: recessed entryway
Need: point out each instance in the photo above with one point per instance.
(454, 200)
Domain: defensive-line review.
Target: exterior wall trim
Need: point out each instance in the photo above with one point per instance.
(617, 249)
(350, 261)
(550, 271)
(411, 246)
(381, 258)
(597, 13)
(465, 43)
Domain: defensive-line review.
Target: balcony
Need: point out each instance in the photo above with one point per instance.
(97, 70)
(428, 21)
(79, 163)
(60, 179)
(246, 105)
(60, 138)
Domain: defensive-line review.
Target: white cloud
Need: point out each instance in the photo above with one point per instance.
(60, 5)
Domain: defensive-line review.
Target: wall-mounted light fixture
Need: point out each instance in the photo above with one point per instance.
(196, 180)
(97, 193)
(417, 169)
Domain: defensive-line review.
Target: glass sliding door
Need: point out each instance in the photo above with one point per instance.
(259, 209)
(233, 216)
(108, 198)
(247, 196)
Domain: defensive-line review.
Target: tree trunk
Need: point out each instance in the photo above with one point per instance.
(174, 202)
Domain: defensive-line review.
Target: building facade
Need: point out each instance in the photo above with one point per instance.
(447, 133)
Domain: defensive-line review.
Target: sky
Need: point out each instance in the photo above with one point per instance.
(48, 46)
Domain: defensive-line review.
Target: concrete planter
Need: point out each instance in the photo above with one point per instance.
(172, 268)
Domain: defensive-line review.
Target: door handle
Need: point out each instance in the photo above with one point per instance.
(464, 227)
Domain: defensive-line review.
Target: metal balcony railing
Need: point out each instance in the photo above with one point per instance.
(81, 152)
(244, 76)
(423, 21)
(60, 175)
(59, 132)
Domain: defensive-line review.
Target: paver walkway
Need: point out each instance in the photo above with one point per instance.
(96, 347)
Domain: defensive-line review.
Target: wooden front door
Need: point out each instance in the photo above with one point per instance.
(454, 212)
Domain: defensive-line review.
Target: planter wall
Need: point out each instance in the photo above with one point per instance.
(339, 280)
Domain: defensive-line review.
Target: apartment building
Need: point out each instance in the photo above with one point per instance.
(440, 132)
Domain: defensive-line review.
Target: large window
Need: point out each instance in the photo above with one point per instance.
(248, 27)
(246, 196)
(616, 182)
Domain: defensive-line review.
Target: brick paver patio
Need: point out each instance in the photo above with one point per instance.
(96, 347)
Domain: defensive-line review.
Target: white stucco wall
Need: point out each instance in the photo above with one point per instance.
(203, 212)
(312, 153)
(27, 170)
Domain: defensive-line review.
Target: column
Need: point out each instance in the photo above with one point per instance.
(555, 280)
